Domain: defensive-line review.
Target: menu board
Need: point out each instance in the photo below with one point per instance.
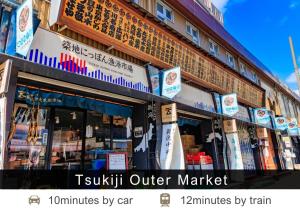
(117, 161)
(115, 23)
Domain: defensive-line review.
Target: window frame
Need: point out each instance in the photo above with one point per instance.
(215, 46)
(228, 55)
(164, 16)
(192, 27)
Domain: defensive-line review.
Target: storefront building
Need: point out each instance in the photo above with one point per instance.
(115, 88)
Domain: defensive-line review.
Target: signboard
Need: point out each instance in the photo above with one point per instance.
(154, 76)
(117, 161)
(262, 116)
(242, 114)
(229, 104)
(171, 82)
(169, 113)
(195, 97)
(293, 127)
(60, 52)
(138, 132)
(230, 126)
(281, 123)
(24, 25)
(116, 23)
(171, 152)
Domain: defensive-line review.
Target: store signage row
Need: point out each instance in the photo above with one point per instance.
(24, 24)
(229, 104)
(115, 23)
(60, 52)
(195, 98)
(171, 82)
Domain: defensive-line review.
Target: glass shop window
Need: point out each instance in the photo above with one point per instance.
(105, 134)
(67, 139)
(27, 140)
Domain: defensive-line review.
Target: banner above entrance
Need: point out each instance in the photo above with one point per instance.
(60, 52)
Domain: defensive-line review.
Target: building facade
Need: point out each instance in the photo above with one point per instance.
(141, 84)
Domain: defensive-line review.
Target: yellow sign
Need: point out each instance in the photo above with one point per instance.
(169, 113)
(113, 22)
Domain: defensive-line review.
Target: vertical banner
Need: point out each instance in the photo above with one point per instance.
(171, 82)
(229, 104)
(4, 26)
(171, 153)
(234, 152)
(2, 130)
(24, 25)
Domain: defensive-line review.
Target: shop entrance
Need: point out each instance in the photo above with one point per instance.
(197, 143)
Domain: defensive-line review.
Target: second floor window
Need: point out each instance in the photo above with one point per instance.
(163, 12)
(193, 32)
(230, 60)
(213, 48)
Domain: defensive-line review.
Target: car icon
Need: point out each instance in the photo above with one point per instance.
(34, 199)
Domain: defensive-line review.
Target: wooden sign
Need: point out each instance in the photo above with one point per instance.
(114, 22)
(262, 133)
(230, 126)
(169, 113)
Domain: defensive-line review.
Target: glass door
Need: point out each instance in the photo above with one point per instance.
(67, 139)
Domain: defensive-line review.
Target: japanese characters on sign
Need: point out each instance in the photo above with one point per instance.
(111, 21)
(229, 104)
(169, 113)
(24, 27)
(60, 52)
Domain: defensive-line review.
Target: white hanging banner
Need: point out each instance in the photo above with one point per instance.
(234, 152)
(171, 153)
(2, 130)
